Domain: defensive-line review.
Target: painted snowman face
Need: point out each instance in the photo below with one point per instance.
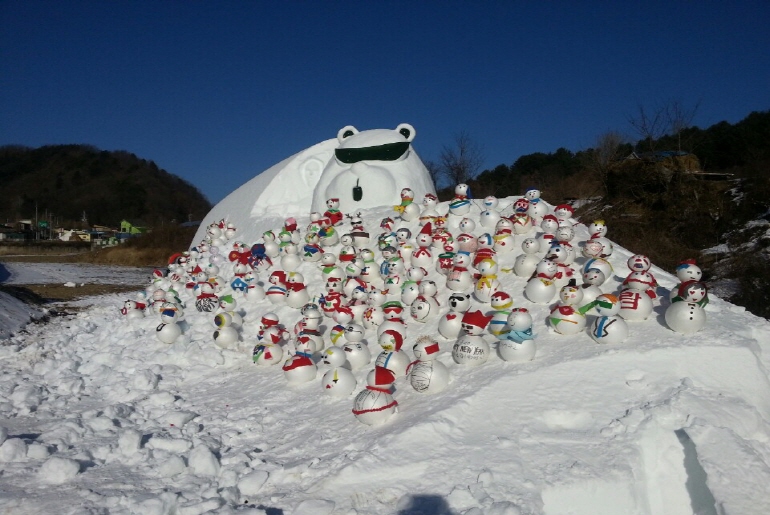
(532, 194)
(467, 243)
(593, 249)
(472, 330)
(415, 273)
(354, 333)
(504, 224)
(597, 229)
(403, 235)
(333, 203)
(607, 305)
(549, 224)
(530, 246)
(487, 267)
(461, 190)
(688, 272)
(334, 357)
(500, 300)
(521, 205)
(376, 298)
(169, 315)
(547, 267)
(570, 295)
(420, 309)
(426, 349)
(695, 292)
(486, 241)
(519, 319)
(333, 285)
(594, 277)
(395, 267)
(429, 201)
(557, 253)
(491, 202)
(459, 302)
(565, 233)
(424, 240)
(639, 263)
(461, 259)
(467, 225)
(562, 211)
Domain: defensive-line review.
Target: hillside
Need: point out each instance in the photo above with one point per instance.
(68, 180)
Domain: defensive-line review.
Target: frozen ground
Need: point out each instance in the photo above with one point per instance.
(99, 417)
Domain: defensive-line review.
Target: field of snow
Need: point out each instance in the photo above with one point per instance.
(99, 417)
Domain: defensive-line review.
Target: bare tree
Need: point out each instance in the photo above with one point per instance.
(679, 118)
(607, 151)
(434, 170)
(462, 160)
(651, 125)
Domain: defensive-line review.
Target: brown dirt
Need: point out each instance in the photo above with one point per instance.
(59, 293)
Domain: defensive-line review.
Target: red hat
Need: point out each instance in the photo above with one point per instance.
(565, 206)
(476, 318)
(398, 338)
(426, 229)
(290, 224)
(383, 376)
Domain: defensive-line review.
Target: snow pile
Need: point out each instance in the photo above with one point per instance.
(100, 417)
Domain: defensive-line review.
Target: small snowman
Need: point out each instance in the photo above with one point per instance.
(272, 249)
(450, 325)
(168, 331)
(131, 310)
(501, 303)
(549, 225)
(460, 278)
(427, 374)
(422, 256)
(226, 334)
(333, 212)
(356, 349)
(429, 212)
(518, 343)
(296, 291)
(276, 292)
(423, 308)
(522, 223)
(686, 271)
(526, 263)
(392, 356)
(338, 381)
(487, 284)
(686, 315)
(489, 217)
(608, 327)
(541, 288)
(290, 259)
(467, 225)
(593, 278)
(205, 298)
(567, 318)
(408, 211)
(471, 348)
(564, 212)
(460, 205)
(375, 404)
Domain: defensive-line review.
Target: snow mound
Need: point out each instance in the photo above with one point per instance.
(122, 423)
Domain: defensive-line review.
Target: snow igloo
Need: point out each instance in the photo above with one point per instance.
(363, 169)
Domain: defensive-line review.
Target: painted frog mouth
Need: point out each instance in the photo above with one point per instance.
(387, 152)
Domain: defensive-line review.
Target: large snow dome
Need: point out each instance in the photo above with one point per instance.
(363, 169)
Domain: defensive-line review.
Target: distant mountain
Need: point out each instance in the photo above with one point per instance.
(108, 186)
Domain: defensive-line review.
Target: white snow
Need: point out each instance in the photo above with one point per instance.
(103, 418)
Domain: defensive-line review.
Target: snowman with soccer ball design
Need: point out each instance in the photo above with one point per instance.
(427, 374)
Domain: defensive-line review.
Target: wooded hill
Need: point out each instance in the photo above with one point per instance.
(109, 186)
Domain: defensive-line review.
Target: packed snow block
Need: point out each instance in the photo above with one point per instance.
(251, 483)
(203, 462)
(58, 470)
(362, 169)
(13, 449)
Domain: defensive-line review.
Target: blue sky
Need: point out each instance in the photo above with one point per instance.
(216, 92)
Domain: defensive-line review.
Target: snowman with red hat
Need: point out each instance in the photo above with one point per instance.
(422, 256)
(427, 374)
(333, 212)
(471, 348)
(375, 404)
(429, 212)
(392, 357)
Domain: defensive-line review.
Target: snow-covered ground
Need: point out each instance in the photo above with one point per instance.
(100, 417)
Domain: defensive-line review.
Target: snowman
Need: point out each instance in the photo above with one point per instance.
(375, 404)
(423, 308)
(205, 298)
(564, 212)
(549, 225)
(392, 356)
(518, 343)
(311, 250)
(567, 317)
(635, 306)
(461, 203)
(608, 327)
(686, 314)
(338, 381)
(290, 259)
(131, 310)
(526, 263)
(541, 288)
(422, 256)
(593, 278)
(272, 249)
(561, 254)
(450, 325)
(490, 215)
(467, 225)
(299, 368)
(226, 334)
(488, 283)
(168, 331)
(686, 271)
(276, 292)
(429, 212)
(408, 211)
(356, 349)
(522, 223)
(501, 303)
(471, 348)
(333, 212)
(460, 278)
(427, 374)
(296, 291)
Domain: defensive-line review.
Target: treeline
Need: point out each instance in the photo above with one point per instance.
(564, 173)
(62, 182)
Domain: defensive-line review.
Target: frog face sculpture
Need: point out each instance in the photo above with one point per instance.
(370, 168)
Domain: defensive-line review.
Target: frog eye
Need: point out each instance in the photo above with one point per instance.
(406, 130)
(346, 132)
